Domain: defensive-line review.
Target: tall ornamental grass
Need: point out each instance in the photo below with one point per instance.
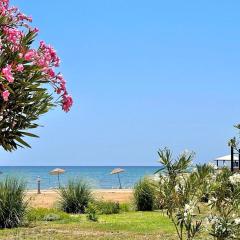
(144, 195)
(75, 196)
(107, 207)
(12, 204)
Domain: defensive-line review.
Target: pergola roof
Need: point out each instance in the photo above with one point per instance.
(227, 158)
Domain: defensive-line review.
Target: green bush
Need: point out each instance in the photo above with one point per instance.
(75, 197)
(107, 207)
(126, 207)
(92, 212)
(144, 195)
(42, 214)
(12, 205)
(52, 217)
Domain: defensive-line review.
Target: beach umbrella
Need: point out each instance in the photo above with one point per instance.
(57, 171)
(117, 171)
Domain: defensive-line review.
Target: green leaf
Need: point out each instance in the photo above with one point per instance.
(29, 134)
(20, 140)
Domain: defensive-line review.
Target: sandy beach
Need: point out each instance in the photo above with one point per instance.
(49, 198)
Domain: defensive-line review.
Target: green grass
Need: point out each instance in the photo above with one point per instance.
(123, 226)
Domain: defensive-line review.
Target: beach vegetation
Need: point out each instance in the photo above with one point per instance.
(75, 196)
(182, 192)
(130, 225)
(51, 217)
(126, 207)
(13, 206)
(144, 195)
(224, 202)
(92, 212)
(41, 214)
(107, 207)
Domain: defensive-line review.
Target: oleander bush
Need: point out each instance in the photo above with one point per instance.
(144, 195)
(75, 196)
(13, 207)
(181, 192)
(29, 82)
(224, 202)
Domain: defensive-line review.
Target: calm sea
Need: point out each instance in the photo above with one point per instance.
(98, 177)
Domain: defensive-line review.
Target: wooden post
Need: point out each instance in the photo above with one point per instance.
(38, 185)
(232, 159)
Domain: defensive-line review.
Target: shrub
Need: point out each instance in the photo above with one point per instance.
(182, 191)
(27, 75)
(41, 214)
(107, 207)
(126, 207)
(224, 201)
(144, 195)
(92, 212)
(52, 217)
(12, 204)
(75, 197)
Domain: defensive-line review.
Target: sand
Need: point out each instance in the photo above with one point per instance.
(49, 198)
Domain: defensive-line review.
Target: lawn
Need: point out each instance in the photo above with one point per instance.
(130, 225)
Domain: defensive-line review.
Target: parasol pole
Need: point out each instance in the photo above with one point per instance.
(58, 181)
(120, 185)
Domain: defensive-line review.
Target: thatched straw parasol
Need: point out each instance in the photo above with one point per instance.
(57, 171)
(117, 171)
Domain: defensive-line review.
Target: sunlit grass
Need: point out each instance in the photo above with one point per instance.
(129, 225)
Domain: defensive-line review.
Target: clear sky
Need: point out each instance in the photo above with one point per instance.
(144, 75)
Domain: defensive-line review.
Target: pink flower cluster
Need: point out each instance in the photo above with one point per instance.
(7, 73)
(44, 59)
(5, 95)
(47, 56)
(4, 7)
(14, 36)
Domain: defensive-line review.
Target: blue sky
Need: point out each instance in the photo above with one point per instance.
(144, 75)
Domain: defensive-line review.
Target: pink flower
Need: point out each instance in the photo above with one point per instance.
(29, 55)
(20, 55)
(35, 30)
(20, 68)
(5, 95)
(14, 36)
(22, 17)
(47, 56)
(51, 73)
(67, 102)
(24, 57)
(7, 73)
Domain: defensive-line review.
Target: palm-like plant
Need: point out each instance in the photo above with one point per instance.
(173, 167)
(225, 202)
(75, 197)
(12, 203)
(180, 192)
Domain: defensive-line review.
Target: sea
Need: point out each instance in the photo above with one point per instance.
(97, 177)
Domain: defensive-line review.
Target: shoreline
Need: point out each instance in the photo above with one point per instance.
(49, 198)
